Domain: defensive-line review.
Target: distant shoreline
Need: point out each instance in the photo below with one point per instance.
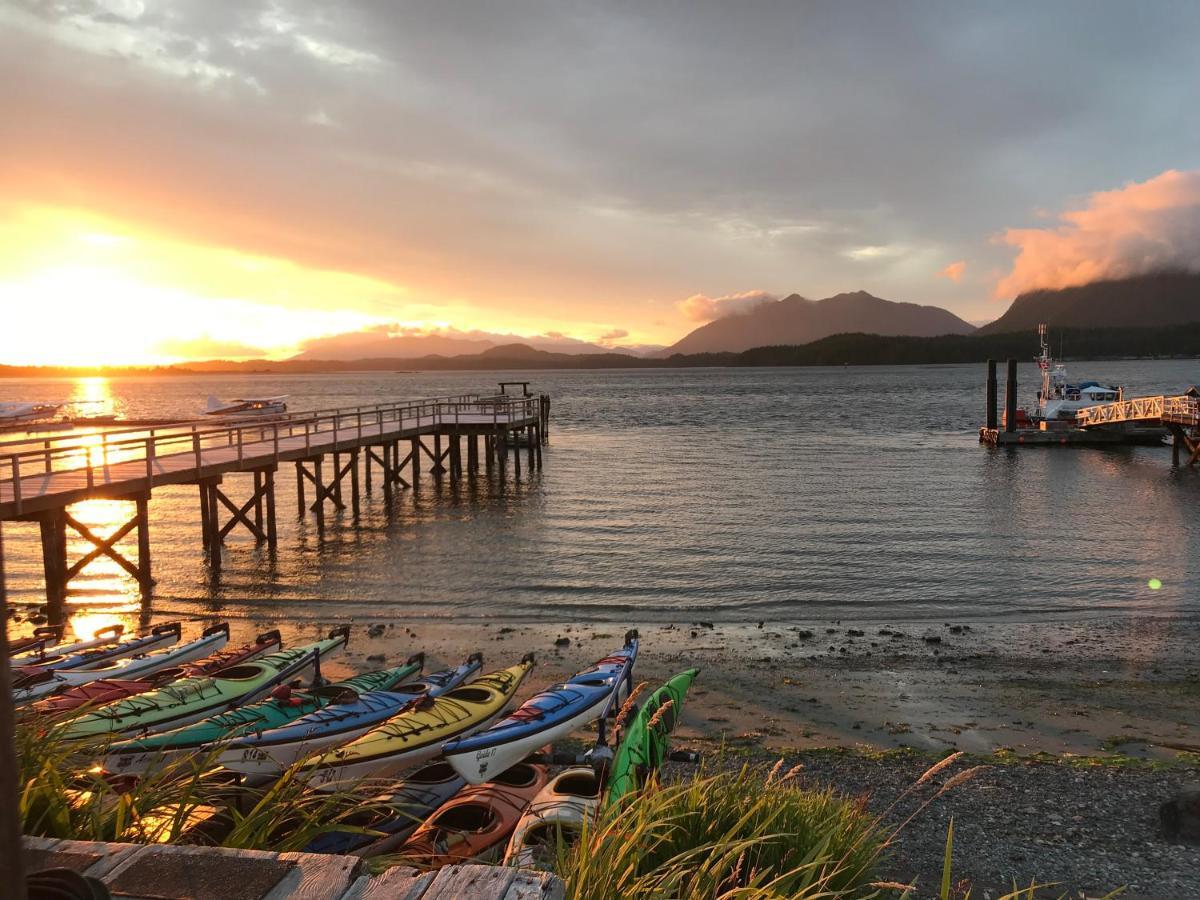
(857, 349)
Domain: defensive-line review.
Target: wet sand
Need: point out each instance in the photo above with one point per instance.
(1104, 687)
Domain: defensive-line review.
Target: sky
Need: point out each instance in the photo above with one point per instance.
(209, 178)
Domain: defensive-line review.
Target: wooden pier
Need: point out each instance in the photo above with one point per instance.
(337, 453)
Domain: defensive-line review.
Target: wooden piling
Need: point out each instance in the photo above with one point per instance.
(53, 525)
(300, 486)
(145, 581)
(1010, 397)
(272, 530)
(989, 401)
(319, 506)
(258, 505)
(354, 499)
(473, 452)
(437, 469)
(416, 462)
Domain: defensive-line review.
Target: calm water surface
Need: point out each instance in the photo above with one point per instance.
(716, 494)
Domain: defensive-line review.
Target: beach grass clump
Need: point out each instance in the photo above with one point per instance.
(745, 834)
(184, 799)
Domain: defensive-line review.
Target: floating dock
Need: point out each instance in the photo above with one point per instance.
(394, 442)
(1141, 420)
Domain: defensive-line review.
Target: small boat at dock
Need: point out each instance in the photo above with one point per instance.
(244, 407)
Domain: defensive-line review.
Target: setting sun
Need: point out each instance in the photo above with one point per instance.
(116, 298)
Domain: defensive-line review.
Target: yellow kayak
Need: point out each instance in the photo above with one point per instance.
(416, 734)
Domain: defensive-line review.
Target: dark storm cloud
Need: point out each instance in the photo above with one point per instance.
(642, 150)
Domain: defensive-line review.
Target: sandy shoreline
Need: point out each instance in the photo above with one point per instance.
(1101, 687)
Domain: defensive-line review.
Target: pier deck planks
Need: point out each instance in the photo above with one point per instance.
(49, 490)
(205, 873)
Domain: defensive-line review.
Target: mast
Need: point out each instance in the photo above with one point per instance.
(1045, 363)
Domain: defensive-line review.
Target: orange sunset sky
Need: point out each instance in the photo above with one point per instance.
(208, 179)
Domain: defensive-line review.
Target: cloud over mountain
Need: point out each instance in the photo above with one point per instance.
(702, 308)
(1143, 227)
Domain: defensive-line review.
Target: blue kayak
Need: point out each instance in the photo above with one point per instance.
(272, 751)
(545, 717)
(395, 814)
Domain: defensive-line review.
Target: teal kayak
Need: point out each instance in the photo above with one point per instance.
(644, 746)
(192, 699)
(133, 757)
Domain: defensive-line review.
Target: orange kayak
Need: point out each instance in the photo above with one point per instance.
(476, 824)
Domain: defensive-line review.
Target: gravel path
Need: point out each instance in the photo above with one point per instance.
(1089, 830)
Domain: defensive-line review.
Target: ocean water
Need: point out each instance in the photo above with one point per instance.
(716, 494)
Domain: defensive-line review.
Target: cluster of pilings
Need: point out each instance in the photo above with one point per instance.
(991, 423)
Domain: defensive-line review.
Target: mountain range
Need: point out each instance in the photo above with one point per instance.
(796, 320)
(1145, 301)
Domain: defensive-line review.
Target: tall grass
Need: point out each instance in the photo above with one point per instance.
(736, 834)
(186, 799)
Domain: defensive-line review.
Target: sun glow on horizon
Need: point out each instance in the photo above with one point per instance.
(78, 289)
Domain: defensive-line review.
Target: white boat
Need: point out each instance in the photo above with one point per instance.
(22, 413)
(247, 406)
(1058, 398)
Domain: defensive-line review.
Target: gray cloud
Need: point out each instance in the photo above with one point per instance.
(620, 154)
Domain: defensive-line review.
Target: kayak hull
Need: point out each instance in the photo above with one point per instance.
(563, 806)
(494, 752)
(272, 752)
(476, 824)
(416, 734)
(109, 690)
(643, 748)
(192, 699)
(404, 808)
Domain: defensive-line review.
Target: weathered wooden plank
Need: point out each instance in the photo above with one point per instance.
(535, 886)
(462, 881)
(316, 876)
(397, 883)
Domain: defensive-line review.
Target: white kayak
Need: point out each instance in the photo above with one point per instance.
(545, 717)
(48, 650)
(557, 814)
(130, 668)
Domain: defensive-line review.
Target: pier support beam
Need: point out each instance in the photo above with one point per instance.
(58, 573)
(257, 514)
(1184, 442)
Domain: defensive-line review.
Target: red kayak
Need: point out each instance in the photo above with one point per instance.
(109, 689)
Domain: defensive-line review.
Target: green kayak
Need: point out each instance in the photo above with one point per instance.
(189, 700)
(643, 748)
(133, 757)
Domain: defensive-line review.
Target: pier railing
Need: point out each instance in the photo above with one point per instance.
(94, 452)
(1182, 410)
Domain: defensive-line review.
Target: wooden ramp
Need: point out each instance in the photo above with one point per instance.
(166, 872)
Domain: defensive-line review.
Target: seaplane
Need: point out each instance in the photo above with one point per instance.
(21, 413)
(247, 406)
